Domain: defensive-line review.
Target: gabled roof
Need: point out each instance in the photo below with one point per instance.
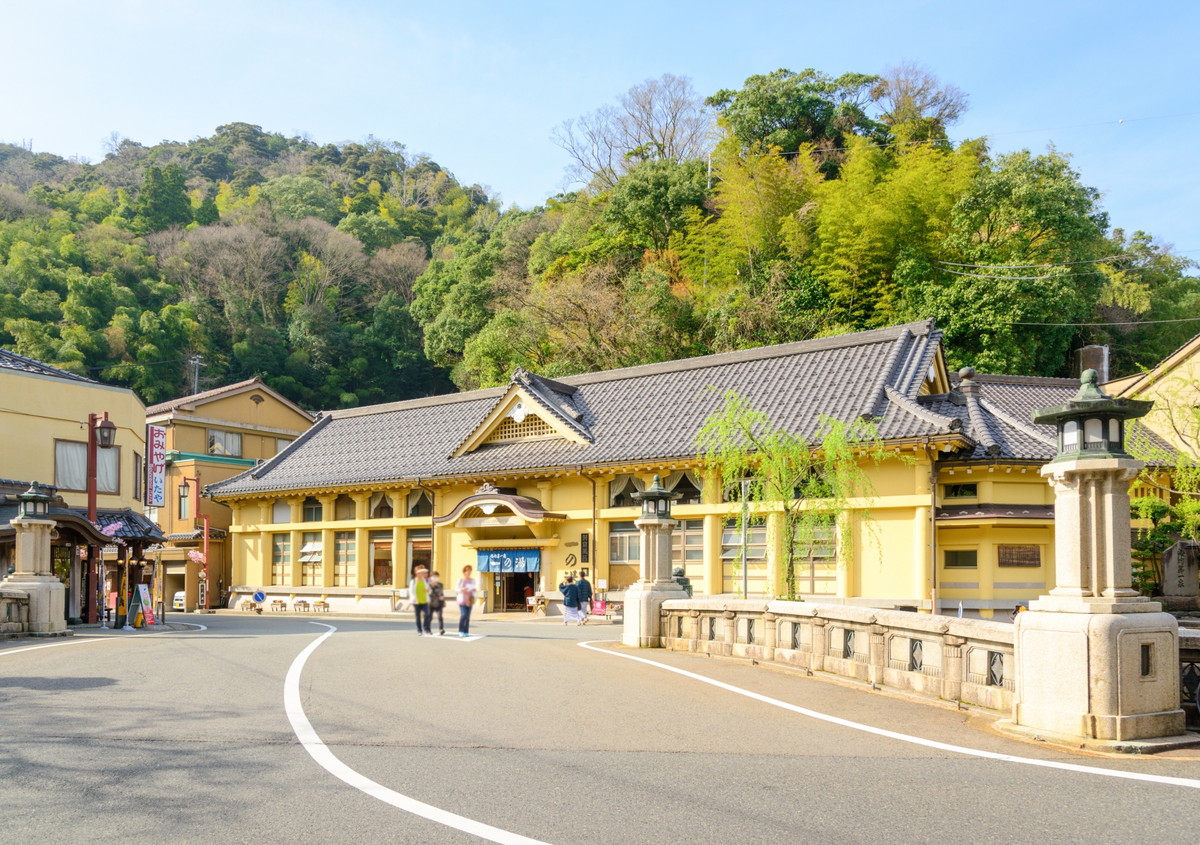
(190, 403)
(995, 412)
(13, 361)
(1133, 385)
(551, 403)
(643, 414)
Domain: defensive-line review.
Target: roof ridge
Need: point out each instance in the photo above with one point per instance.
(1001, 414)
(50, 369)
(914, 408)
(878, 394)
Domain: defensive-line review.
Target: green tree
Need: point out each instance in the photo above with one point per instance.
(788, 110)
(773, 470)
(162, 201)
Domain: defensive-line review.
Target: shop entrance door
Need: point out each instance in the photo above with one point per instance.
(515, 587)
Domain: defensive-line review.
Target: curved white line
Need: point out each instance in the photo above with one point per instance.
(325, 759)
(94, 640)
(915, 740)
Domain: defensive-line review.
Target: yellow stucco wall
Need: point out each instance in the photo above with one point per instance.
(35, 411)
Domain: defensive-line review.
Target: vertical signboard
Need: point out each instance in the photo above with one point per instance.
(156, 466)
(147, 605)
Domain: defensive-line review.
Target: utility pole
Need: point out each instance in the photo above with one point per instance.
(197, 362)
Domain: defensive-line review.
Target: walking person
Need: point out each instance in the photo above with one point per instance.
(418, 593)
(437, 602)
(585, 597)
(466, 600)
(570, 594)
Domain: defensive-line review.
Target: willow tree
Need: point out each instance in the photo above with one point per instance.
(812, 482)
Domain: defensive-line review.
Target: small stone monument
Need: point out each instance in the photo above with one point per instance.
(1095, 659)
(643, 601)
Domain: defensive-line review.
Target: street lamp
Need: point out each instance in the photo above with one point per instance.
(184, 491)
(102, 434)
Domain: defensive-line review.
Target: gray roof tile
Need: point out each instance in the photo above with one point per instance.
(639, 414)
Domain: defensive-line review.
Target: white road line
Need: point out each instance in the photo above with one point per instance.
(325, 759)
(915, 740)
(94, 640)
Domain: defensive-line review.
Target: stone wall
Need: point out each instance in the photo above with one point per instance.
(14, 612)
(944, 657)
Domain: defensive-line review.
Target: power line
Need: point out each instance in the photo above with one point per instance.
(1122, 323)
(1032, 266)
(136, 364)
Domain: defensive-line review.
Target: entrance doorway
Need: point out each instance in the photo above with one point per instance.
(514, 588)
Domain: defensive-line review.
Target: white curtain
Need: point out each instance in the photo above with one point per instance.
(414, 499)
(281, 511)
(70, 467)
(376, 500)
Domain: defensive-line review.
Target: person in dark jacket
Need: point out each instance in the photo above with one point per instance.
(437, 602)
(570, 594)
(585, 597)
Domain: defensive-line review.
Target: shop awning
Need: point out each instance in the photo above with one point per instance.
(509, 560)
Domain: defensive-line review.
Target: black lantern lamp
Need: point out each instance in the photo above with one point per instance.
(656, 500)
(34, 503)
(106, 433)
(1092, 424)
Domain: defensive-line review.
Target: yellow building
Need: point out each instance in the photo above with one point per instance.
(44, 415)
(533, 480)
(210, 437)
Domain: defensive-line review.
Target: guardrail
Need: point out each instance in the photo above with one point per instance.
(945, 657)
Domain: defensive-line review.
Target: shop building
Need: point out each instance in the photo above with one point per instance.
(209, 437)
(532, 480)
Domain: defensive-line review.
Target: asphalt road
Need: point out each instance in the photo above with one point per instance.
(202, 736)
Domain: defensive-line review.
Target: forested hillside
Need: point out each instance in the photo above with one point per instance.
(796, 206)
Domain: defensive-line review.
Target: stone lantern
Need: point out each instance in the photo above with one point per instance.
(643, 601)
(1095, 660)
(32, 564)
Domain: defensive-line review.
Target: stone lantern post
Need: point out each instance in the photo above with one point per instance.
(33, 573)
(643, 601)
(1094, 658)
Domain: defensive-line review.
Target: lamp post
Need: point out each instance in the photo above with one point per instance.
(643, 601)
(183, 494)
(102, 434)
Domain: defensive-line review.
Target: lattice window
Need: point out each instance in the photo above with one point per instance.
(530, 428)
(1019, 555)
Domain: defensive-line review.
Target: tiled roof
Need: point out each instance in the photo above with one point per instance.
(650, 413)
(13, 361)
(996, 414)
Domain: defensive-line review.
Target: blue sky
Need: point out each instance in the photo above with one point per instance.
(480, 86)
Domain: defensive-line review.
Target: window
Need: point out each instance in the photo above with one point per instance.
(961, 558)
(1019, 555)
(224, 443)
(70, 467)
(621, 490)
(343, 559)
(687, 549)
(281, 558)
(688, 489)
(749, 575)
(815, 560)
(420, 503)
(343, 507)
(624, 543)
(381, 506)
(281, 443)
(312, 510)
(310, 559)
(139, 477)
(961, 491)
(281, 511)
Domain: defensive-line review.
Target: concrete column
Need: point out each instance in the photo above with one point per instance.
(820, 644)
(953, 667)
(878, 652)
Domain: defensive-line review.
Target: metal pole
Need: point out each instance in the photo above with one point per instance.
(745, 538)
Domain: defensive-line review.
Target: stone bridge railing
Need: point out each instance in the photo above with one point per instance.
(1189, 673)
(14, 612)
(944, 657)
